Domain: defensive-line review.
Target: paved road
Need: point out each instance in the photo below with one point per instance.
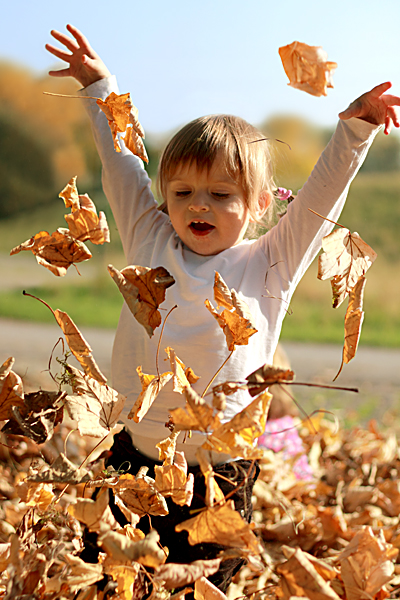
(31, 345)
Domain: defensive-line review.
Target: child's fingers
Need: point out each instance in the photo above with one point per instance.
(60, 73)
(61, 54)
(380, 89)
(65, 40)
(82, 41)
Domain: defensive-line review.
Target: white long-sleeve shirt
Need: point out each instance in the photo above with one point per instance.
(148, 239)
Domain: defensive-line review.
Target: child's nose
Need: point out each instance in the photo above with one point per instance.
(199, 202)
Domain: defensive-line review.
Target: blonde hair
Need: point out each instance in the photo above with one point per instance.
(244, 148)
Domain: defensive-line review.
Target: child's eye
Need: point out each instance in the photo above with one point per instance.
(221, 195)
(182, 193)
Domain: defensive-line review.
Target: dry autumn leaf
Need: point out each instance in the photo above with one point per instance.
(143, 290)
(61, 471)
(151, 387)
(266, 376)
(196, 416)
(11, 389)
(367, 564)
(122, 117)
(174, 575)
(94, 406)
(173, 480)
(307, 68)
(345, 259)
(352, 322)
(146, 552)
(140, 495)
(205, 590)
(235, 320)
(83, 222)
(78, 574)
(39, 495)
(95, 514)
(57, 252)
(182, 376)
(221, 525)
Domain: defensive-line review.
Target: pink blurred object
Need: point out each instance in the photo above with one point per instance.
(281, 435)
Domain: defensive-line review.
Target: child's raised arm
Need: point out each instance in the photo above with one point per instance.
(84, 63)
(375, 107)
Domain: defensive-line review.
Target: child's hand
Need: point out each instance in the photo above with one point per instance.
(84, 64)
(375, 107)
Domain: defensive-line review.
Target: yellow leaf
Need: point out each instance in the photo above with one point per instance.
(345, 259)
(307, 68)
(151, 387)
(173, 480)
(140, 495)
(175, 575)
(197, 415)
(180, 372)
(146, 552)
(11, 389)
(143, 290)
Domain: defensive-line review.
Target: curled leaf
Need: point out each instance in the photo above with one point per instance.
(177, 575)
(266, 376)
(146, 552)
(151, 387)
(307, 68)
(182, 376)
(140, 495)
(143, 290)
(11, 389)
(95, 406)
(345, 259)
(61, 471)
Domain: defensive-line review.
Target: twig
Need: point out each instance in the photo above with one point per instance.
(159, 341)
(217, 373)
(70, 96)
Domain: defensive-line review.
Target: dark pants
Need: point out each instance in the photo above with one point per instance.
(125, 456)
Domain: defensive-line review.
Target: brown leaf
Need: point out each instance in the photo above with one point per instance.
(95, 406)
(182, 376)
(345, 259)
(221, 525)
(173, 480)
(366, 564)
(122, 117)
(120, 548)
(95, 514)
(301, 578)
(61, 471)
(78, 574)
(197, 415)
(140, 495)
(70, 195)
(39, 495)
(79, 346)
(205, 590)
(175, 575)
(134, 143)
(56, 252)
(126, 577)
(143, 290)
(265, 376)
(36, 418)
(307, 68)
(11, 389)
(151, 387)
(352, 322)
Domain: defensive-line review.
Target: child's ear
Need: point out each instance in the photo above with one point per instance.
(263, 202)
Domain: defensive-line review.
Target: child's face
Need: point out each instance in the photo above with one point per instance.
(207, 208)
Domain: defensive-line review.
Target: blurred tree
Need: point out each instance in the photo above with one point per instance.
(384, 155)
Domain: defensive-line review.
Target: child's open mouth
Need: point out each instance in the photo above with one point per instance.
(200, 227)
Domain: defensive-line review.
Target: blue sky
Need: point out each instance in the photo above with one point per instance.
(182, 58)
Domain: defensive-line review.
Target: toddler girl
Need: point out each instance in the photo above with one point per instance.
(215, 178)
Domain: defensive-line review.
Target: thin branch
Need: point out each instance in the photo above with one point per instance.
(217, 373)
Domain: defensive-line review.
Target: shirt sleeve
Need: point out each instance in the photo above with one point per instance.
(295, 241)
(125, 181)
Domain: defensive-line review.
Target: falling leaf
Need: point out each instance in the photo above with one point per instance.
(120, 548)
(56, 252)
(172, 480)
(36, 418)
(345, 259)
(301, 578)
(214, 493)
(126, 577)
(61, 471)
(95, 514)
(39, 495)
(122, 117)
(367, 564)
(151, 387)
(78, 574)
(177, 575)
(237, 436)
(140, 495)
(266, 376)
(221, 525)
(166, 448)
(11, 389)
(79, 346)
(197, 415)
(94, 406)
(70, 195)
(182, 376)
(236, 320)
(353, 322)
(307, 68)
(143, 290)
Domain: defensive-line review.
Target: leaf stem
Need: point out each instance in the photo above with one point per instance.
(326, 219)
(70, 96)
(217, 373)
(161, 334)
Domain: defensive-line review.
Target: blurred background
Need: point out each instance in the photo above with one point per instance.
(181, 59)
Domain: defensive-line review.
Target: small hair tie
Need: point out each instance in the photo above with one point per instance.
(282, 193)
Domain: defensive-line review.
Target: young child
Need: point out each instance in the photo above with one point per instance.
(214, 181)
